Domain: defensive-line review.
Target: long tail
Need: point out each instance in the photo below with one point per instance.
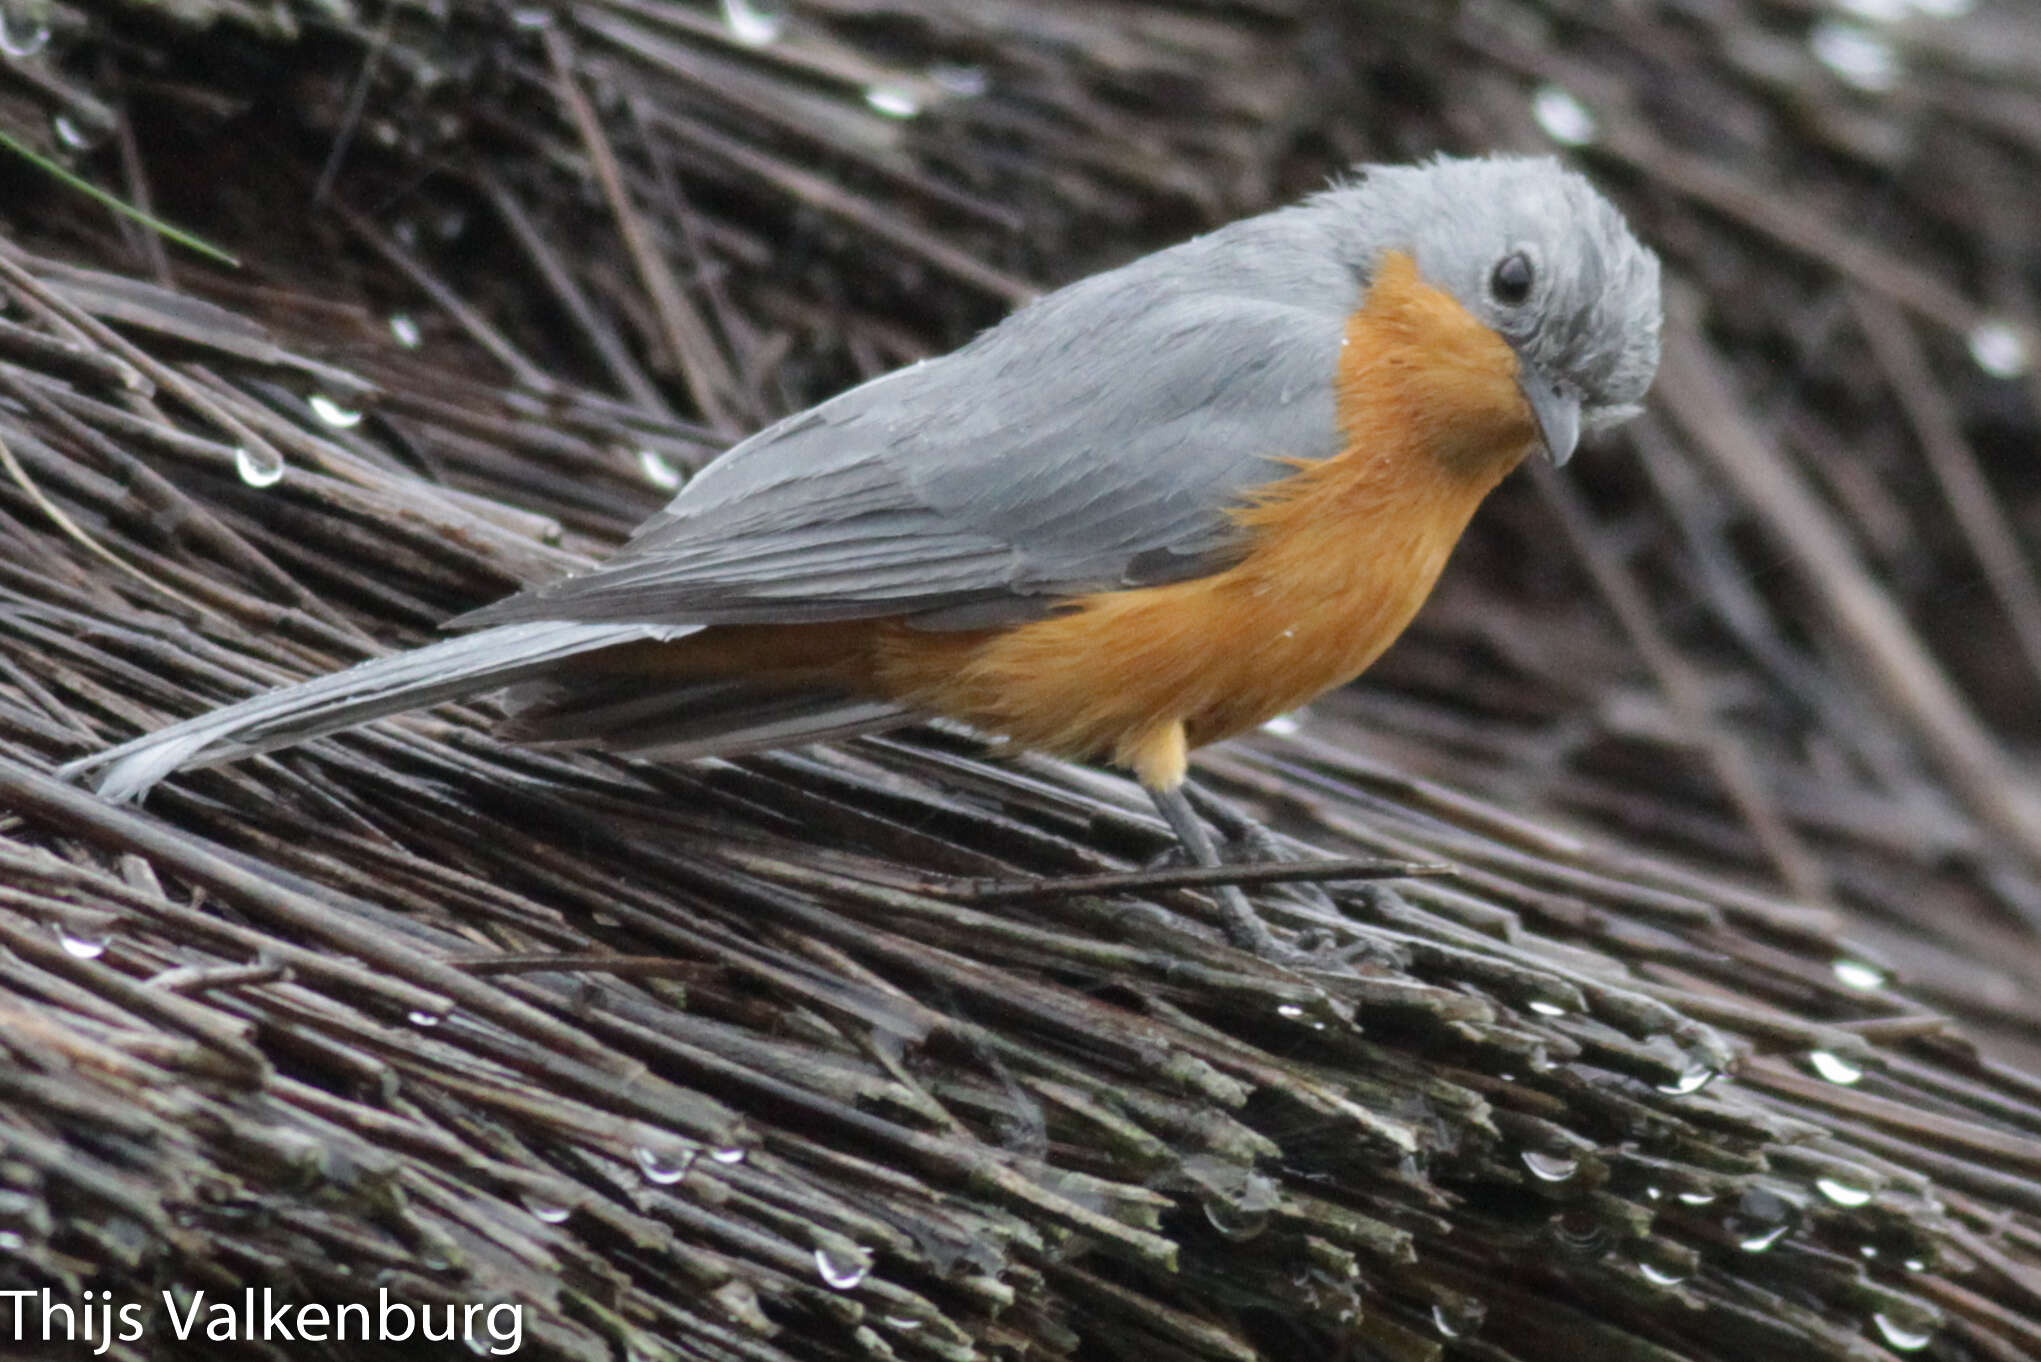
(463, 666)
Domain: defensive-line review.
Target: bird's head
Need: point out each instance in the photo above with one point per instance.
(1534, 251)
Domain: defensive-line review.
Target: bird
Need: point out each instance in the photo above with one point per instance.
(1148, 511)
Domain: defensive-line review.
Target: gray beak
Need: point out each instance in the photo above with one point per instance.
(1558, 411)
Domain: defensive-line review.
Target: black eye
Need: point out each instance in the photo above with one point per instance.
(1511, 282)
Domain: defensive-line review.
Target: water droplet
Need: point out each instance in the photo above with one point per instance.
(1459, 1319)
(1550, 1167)
(1833, 1067)
(1858, 975)
(968, 82)
(1867, 1250)
(658, 471)
(905, 1324)
(81, 947)
(1857, 56)
(664, 1167)
(21, 36)
(841, 1276)
(753, 24)
(67, 132)
(1693, 1080)
(1762, 1240)
(545, 1211)
(1843, 1193)
(1696, 1198)
(2000, 348)
(892, 101)
(1915, 1265)
(420, 1017)
(605, 919)
(1545, 1009)
(732, 1154)
(264, 469)
(404, 328)
(1564, 118)
(1236, 1222)
(1283, 726)
(1906, 1338)
(1944, 9)
(1289, 1011)
(1660, 1276)
(10, 1241)
(331, 412)
(531, 17)
(1653, 1193)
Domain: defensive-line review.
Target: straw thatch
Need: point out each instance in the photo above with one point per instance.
(1714, 1044)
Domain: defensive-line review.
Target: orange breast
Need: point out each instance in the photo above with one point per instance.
(1341, 555)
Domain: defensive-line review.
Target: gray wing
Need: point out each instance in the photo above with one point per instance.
(1095, 439)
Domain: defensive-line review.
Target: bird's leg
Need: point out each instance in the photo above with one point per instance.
(1244, 927)
(1257, 845)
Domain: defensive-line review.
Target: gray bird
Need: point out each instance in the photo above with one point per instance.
(1151, 510)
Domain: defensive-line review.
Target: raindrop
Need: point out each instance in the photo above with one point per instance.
(420, 1017)
(1289, 1011)
(1858, 975)
(9, 1240)
(1580, 1233)
(1833, 1067)
(1236, 1222)
(1283, 726)
(1659, 1276)
(1842, 1193)
(1550, 1167)
(1692, 1080)
(1900, 1336)
(969, 82)
(753, 24)
(1696, 1198)
(605, 919)
(1564, 118)
(1857, 56)
(404, 328)
(658, 471)
(545, 1211)
(1944, 9)
(264, 469)
(81, 947)
(732, 1154)
(664, 1168)
(1545, 1009)
(1915, 1265)
(840, 1276)
(1764, 1239)
(2000, 348)
(22, 36)
(332, 413)
(1459, 1319)
(905, 1324)
(1868, 1250)
(531, 17)
(892, 101)
(69, 134)
(1653, 1193)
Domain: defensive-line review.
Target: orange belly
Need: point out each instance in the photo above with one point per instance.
(1341, 555)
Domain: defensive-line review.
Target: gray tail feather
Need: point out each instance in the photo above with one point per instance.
(657, 718)
(463, 666)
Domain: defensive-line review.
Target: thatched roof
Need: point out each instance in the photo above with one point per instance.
(1716, 1042)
